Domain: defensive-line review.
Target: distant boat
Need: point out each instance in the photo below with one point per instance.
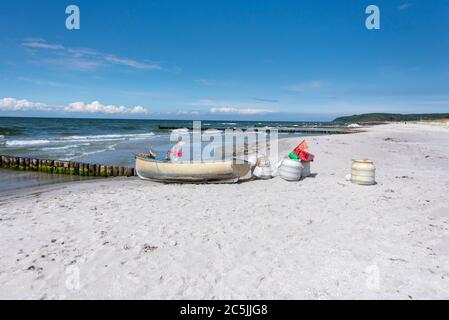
(184, 172)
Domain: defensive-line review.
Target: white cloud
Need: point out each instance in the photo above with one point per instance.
(139, 109)
(244, 111)
(226, 107)
(181, 112)
(82, 58)
(405, 6)
(98, 107)
(309, 86)
(131, 63)
(11, 104)
(267, 100)
(38, 43)
(74, 63)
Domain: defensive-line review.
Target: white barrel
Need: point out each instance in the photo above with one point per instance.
(363, 172)
(305, 169)
(290, 170)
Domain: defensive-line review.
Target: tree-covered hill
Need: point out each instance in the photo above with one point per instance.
(382, 117)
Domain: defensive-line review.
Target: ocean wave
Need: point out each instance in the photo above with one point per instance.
(212, 131)
(79, 139)
(106, 137)
(9, 131)
(182, 130)
(16, 143)
(70, 146)
(89, 153)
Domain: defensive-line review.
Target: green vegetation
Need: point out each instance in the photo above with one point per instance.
(381, 117)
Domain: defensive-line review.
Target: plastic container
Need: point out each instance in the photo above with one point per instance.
(363, 172)
(305, 169)
(290, 170)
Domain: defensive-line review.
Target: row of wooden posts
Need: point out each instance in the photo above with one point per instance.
(64, 167)
(323, 130)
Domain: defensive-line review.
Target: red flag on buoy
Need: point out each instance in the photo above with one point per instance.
(301, 152)
(301, 147)
(305, 156)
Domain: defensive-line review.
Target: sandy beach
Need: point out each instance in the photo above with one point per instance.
(321, 238)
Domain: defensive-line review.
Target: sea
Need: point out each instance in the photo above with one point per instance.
(106, 141)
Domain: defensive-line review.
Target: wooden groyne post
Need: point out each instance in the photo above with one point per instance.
(64, 167)
(313, 131)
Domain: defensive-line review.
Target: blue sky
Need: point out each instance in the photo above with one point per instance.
(246, 59)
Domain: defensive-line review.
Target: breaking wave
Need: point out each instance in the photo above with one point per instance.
(88, 153)
(70, 146)
(79, 139)
(13, 143)
(109, 137)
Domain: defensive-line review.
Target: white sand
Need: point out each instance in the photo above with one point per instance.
(321, 238)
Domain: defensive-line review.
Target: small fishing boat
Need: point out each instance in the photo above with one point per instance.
(209, 171)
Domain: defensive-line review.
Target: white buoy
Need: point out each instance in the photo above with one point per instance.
(290, 170)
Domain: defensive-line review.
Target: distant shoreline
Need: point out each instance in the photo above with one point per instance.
(391, 117)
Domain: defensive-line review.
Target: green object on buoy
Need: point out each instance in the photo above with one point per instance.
(293, 156)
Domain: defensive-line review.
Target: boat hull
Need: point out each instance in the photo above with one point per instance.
(191, 171)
